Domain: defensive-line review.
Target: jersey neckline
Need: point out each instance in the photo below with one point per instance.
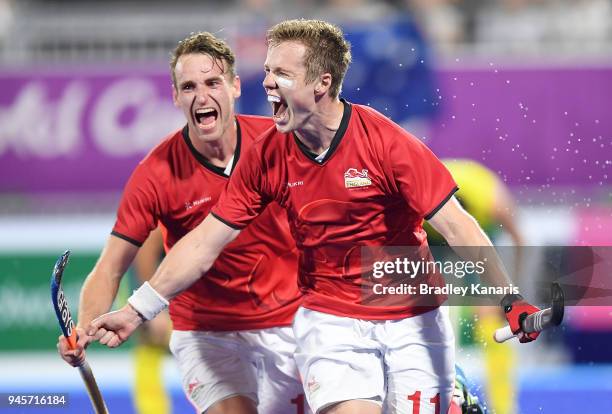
(203, 161)
(346, 116)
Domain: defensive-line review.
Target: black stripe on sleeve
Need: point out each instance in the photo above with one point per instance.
(435, 210)
(227, 223)
(127, 239)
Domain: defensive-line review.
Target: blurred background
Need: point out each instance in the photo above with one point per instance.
(521, 87)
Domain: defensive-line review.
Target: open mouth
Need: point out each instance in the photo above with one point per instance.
(279, 107)
(206, 117)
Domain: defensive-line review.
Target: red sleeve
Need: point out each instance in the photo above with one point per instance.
(244, 196)
(139, 209)
(424, 182)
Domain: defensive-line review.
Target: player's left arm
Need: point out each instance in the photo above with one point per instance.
(458, 227)
(468, 240)
(463, 233)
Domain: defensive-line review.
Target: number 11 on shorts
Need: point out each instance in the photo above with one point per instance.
(299, 402)
(416, 402)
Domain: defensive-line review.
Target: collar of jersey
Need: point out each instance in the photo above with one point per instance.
(346, 116)
(204, 162)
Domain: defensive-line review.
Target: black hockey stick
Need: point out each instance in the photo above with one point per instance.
(68, 329)
(537, 322)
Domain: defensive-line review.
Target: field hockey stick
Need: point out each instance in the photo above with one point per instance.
(60, 304)
(537, 322)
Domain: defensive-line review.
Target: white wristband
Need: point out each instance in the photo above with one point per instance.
(147, 301)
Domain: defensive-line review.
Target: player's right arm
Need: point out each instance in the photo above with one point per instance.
(185, 263)
(138, 214)
(192, 257)
(98, 293)
(244, 199)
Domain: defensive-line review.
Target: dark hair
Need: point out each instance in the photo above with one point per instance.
(207, 44)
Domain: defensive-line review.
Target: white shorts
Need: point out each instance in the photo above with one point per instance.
(257, 364)
(399, 362)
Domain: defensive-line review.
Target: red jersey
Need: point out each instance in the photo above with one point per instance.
(253, 282)
(374, 187)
